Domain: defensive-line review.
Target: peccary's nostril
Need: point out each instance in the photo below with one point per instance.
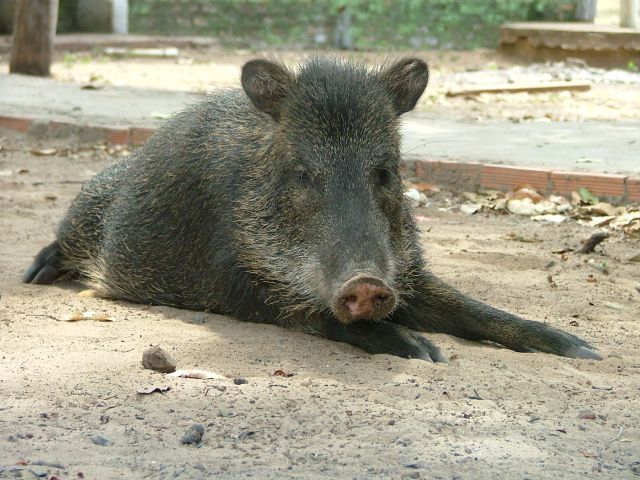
(364, 297)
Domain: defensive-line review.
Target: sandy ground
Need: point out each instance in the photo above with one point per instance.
(489, 413)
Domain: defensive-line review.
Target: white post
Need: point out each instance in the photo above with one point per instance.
(629, 11)
(120, 16)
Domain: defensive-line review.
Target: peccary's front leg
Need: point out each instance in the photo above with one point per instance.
(376, 337)
(437, 307)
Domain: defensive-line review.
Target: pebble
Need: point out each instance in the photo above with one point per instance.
(240, 381)
(101, 441)
(155, 358)
(587, 415)
(193, 435)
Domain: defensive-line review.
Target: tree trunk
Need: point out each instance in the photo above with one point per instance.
(33, 34)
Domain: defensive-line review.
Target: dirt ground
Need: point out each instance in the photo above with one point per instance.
(489, 413)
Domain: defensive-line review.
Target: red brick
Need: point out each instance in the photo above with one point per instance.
(15, 123)
(117, 136)
(507, 177)
(632, 185)
(456, 175)
(140, 135)
(600, 184)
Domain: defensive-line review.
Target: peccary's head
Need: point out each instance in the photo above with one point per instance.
(329, 227)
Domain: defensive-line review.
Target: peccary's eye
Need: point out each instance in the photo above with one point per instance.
(303, 178)
(383, 176)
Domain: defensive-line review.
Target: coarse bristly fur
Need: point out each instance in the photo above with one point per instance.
(263, 203)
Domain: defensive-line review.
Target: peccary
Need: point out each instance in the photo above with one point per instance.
(282, 203)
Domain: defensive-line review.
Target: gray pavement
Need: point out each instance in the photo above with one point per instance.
(599, 147)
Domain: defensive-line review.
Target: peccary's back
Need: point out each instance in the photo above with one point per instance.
(164, 217)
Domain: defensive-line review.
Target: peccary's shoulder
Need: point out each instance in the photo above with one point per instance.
(222, 125)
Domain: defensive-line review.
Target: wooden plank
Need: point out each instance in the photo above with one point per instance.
(522, 87)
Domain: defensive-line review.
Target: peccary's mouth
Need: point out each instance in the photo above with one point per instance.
(363, 296)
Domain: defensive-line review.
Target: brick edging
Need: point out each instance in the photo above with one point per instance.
(116, 135)
(456, 175)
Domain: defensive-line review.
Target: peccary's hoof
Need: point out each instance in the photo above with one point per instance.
(586, 353)
(422, 349)
(45, 268)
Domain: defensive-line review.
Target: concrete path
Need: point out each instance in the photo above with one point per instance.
(588, 147)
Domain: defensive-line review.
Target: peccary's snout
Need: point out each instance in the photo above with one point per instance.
(363, 296)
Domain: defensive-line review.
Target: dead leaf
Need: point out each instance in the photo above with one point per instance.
(549, 218)
(89, 315)
(44, 151)
(526, 192)
(589, 454)
(472, 197)
(591, 279)
(426, 187)
(470, 208)
(153, 389)
(198, 374)
(601, 209)
(282, 373)
(614, 306)
(90, 293)
(91, 86)
(521, 206)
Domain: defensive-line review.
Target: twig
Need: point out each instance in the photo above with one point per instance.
(616, 437)
(590, 243)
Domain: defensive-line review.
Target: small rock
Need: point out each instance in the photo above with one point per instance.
(391, 422)
(240, 381)
(635, 467)
(100, 440)
(193, 435)
(587, 415)
(155, 358)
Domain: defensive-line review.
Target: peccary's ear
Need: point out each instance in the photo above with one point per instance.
(405, 81)
(266, 84)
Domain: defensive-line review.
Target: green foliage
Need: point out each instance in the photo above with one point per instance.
(375, 24)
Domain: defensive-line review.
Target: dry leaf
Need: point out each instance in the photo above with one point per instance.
(282, 373)
(90, 293)
(600, 209)
(89, 315)
(426, 187)
(470, 208)
(44, 151)
(526, 192)
(198, 374)
(521, 206)
(549, 218)
(589, 454)
(153, 389)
